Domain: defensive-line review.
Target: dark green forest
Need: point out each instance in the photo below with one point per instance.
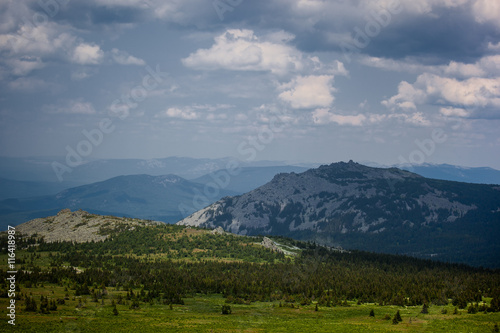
(164, 264)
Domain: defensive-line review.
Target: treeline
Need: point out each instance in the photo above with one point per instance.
(173, 242)
(197, 263)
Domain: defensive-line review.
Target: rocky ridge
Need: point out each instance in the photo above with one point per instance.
(78, 226)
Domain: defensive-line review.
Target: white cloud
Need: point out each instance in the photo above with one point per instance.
(454, 112)
(406, 98)
(196, 111)
(324, 116)
(495, 47)
(82, 73)
(86, 54)
(311, 91)
(242, 50)
(434, 89)
(123, 58)
(24, 65)
(487, 11)
(416, 118)
(78, 106)
(484, 67)
(30, 46)
(38, 40)
(185, 113)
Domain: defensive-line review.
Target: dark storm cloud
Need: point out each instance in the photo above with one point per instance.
(87, 16)
(452, 35)
(440, 36)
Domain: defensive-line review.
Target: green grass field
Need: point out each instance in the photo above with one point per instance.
(202, 313)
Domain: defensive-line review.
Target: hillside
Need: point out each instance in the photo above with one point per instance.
(374, 209)
(78, 226)
(163, 198)
(147, 276)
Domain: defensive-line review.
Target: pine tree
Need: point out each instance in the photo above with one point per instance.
(115, 311)
(425, 309)
(30, 305)
(398, 317)
(372, 313)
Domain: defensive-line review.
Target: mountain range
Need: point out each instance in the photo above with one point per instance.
(478, 175)
(376, 209)
(40, 169)
(164, 198)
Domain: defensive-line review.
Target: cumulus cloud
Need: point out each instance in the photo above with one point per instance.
(407, 98)
(31, 39)
(434, 89)
(242, 50)
(486, 66)
(123, 58)
(87, 54)
(454, 112)
(311, 91)
(325, 116)
(185, 113)
(487, 11)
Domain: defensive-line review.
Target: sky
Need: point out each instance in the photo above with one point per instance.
(387, 81)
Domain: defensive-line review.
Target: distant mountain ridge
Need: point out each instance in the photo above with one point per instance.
(478, 175)
(359, 207)
(249, 178)
(140, 196)
(40, 168)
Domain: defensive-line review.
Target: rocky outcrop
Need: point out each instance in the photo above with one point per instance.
(360, 207)
(269, 244)
(78, 226)
(218, 231)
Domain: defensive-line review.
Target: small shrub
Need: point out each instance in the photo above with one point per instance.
(226, 309)
(372, 313)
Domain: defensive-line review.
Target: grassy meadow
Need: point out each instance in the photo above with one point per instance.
(202, 313)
